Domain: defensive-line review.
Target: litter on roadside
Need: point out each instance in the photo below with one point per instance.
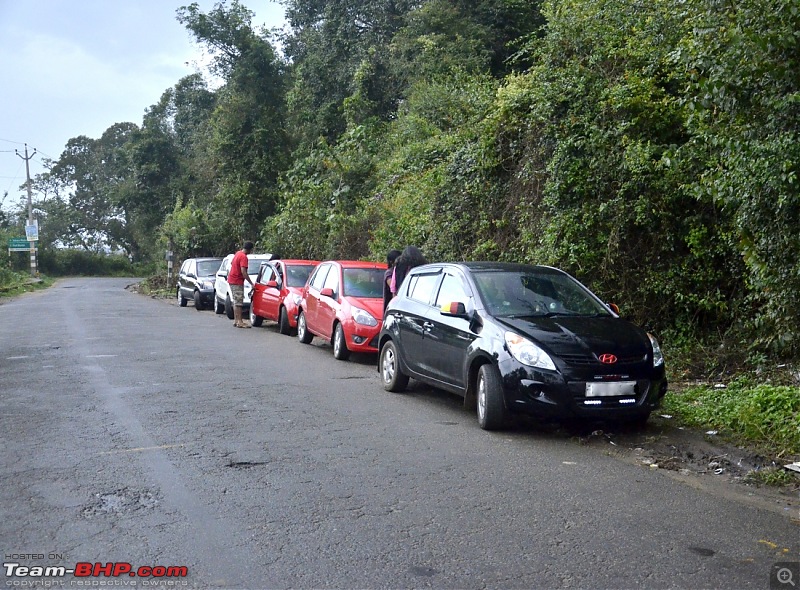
(712, 432)
(793, 466)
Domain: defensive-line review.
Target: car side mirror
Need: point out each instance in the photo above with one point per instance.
(613, 307)
(456, 309)
(273, 284)
(327, 292)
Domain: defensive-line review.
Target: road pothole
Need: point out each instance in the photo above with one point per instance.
(120, 501)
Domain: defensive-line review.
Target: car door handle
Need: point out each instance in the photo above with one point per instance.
(427, 325)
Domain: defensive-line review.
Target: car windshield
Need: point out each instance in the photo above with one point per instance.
(363, 282)
(297, 274)
(525, 293)
(206, 268)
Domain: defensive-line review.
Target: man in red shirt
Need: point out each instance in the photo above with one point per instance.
(237, 275)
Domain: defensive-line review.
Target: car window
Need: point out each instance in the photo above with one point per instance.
(332, 280)
(452, 290)
(363, 282)
(267, 274)
(253, 264)
(184, 267)
(297, 274)
(421, 286)
(319, 276)
(226, 265)
(206, 268)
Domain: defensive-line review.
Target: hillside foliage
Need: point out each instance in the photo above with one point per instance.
(647, 147)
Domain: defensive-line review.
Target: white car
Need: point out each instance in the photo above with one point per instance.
(223, 300)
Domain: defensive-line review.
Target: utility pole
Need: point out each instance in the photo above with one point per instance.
(34, 269)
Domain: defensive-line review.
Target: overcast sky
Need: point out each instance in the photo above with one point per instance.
(76, 67)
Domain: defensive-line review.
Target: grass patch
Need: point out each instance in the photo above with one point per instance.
(157, 286)
(15, 283)
(761, 415)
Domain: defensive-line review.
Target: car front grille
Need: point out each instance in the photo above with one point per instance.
(585, 360)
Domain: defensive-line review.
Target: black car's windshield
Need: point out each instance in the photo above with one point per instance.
(297, 274)
(534, 292)
(363, 282)
(207, 268)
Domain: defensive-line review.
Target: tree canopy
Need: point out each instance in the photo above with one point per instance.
(647, 147)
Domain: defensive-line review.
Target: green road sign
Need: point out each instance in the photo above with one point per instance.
(19, 244)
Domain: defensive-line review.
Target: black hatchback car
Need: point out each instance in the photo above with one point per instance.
(196, 281)
(514, 338)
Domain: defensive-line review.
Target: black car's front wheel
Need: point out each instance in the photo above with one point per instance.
(198, 301)
(392, 376)
(491, 407)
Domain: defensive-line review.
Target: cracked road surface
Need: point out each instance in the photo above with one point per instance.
(137, 431)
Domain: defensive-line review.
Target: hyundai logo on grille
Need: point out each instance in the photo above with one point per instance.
(607, 359)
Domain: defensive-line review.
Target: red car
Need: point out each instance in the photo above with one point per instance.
(277, 292)
(343, 303)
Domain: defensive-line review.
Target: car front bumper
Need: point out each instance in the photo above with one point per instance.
(362, 338)
(549, 394)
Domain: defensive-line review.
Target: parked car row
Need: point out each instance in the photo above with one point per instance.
(508, 338)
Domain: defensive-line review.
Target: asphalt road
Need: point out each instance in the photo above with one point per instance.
(137, 432)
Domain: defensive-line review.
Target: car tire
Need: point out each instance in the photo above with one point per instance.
(255, 320)
(389, 364)
(303, 335)
(340, 351)
(198, 301)
(219, 309)
(491, 406)
(229, 308)
(283, 322)
(181, 299)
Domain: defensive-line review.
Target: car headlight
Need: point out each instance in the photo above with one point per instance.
(527, 352)
(658, 357)
(296, 298)
(207, 284)
(363, 317)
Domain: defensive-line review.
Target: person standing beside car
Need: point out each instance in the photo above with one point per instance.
(236, 278)
(410, 258)
(391, 257)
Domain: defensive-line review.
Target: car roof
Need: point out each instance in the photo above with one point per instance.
(488, 266)
(358, 264)
(294, 261)
(205, 258)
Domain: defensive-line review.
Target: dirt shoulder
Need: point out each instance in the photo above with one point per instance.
(699, 459)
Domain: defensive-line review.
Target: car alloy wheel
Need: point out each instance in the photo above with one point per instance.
(340, 351)
(491, 408)
(393, 378)
(303, 335)
(255, 320)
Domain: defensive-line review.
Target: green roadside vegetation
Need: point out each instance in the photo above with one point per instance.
(650, 149)
(16, 282)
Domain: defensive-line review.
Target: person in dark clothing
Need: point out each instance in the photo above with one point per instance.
(391, 257)
(410, 258)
